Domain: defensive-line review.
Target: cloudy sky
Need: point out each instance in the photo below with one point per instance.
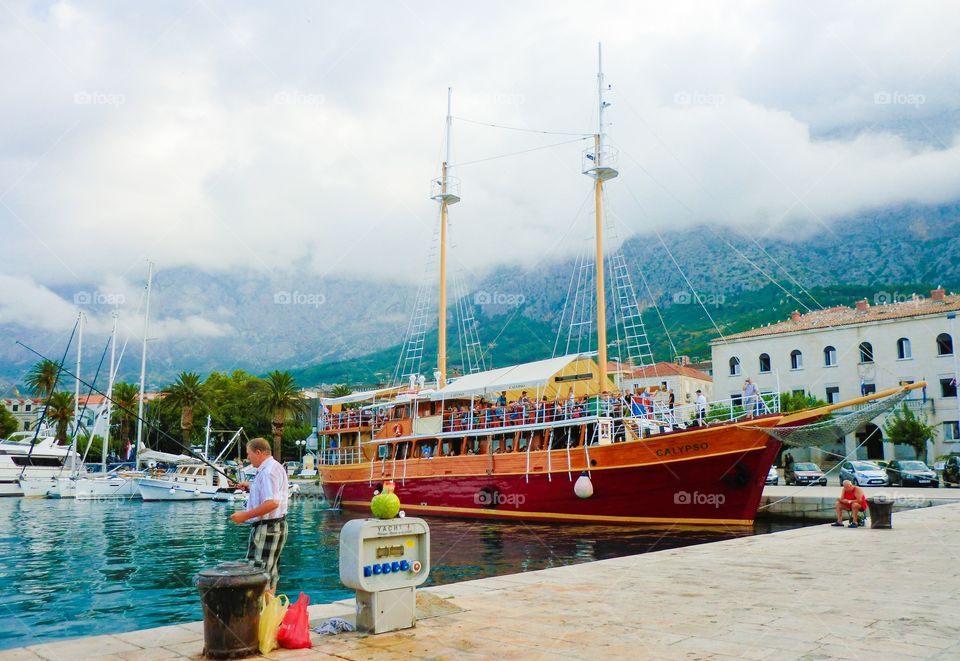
(303, 135)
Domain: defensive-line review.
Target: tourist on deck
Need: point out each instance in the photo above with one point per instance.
(502, 399)
(751, 395)
(266, 510)
(853, 500)
(671, 406)
(701, 404)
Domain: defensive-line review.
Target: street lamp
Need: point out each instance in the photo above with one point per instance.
(300, 445)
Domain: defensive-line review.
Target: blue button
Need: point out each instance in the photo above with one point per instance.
(404, 565)
(394, 567)
(386, 567)
(377, 569)
(367, 571)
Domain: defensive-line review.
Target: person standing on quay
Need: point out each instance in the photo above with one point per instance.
(266, 510)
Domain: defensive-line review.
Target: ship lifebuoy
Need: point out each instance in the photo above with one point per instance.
(397, 430)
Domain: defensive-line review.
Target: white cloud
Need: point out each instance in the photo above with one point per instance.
(226, 136)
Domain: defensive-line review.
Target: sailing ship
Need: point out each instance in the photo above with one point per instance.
(30, 463)
(549, 440)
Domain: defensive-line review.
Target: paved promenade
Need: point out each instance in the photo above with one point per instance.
(816, 503)
(813, 593)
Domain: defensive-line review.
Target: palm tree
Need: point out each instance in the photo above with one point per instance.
(279, 397)
(42, 378)
(186, 393)
(60, 412)
(125, 399)
(341, 390)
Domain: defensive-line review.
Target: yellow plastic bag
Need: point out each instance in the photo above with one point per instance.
(272, 611)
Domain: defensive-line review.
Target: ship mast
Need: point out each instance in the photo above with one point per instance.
(600, 163)
(445, 190)
(143, 364)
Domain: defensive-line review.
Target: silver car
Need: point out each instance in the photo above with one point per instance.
(863, 474)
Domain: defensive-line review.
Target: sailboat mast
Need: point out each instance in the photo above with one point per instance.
(76, 385)
(109, 402)
(444, 200)
(598, 202)
(143, 364)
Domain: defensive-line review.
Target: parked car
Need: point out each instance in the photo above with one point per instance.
(951, 471)
(863, 474)
(773, 477)
(804, 472)
(911, 474)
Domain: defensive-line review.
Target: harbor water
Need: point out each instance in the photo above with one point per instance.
(80, 568)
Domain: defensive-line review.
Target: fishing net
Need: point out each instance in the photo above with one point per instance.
(834, 428)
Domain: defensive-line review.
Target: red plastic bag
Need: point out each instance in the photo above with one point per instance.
(294, 633)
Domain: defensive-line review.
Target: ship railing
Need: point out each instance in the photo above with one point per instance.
(346, 420)
(338, 456)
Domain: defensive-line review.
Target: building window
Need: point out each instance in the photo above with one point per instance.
(948, 387)
(903, 349)
(26, 425)
(734, 366)
(736, 399)
(829, 357)
(868, 389)
(764, 363)
(951, 432)
(16, 407)
(27, 407)
(944, 345)
(866, 352)
(800, 393)
(833, 394)
(796, 360)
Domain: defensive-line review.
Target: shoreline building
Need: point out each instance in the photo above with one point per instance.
(841, 353)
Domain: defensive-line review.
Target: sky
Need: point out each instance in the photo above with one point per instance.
(302, 136)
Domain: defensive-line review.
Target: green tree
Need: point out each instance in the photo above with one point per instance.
(42, 378)
(126, 397)
(791, 401)
(8, 424)
(904, 427)
(60, 412)
(341, 390)
(186, 394)
(279, 397)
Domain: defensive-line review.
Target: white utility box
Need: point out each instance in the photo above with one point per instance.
(384, 560)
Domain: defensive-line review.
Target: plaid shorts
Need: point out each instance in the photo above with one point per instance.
(265, 545)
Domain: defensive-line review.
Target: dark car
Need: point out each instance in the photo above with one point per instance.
(911, 474)
(951, 471)
(804, 472)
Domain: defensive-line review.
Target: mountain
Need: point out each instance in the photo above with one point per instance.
(335, 329)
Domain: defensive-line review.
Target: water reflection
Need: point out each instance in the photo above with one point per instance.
(76, 568)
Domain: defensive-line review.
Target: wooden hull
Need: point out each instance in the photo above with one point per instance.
(707, 476)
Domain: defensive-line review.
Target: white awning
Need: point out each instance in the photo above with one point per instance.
(530, 375)
(361, 396)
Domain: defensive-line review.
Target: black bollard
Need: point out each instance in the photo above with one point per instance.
(881, 512)
(230, 593)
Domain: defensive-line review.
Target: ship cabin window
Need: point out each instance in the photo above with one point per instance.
(426, 449)
(944, 345)
(829, 356)
(866, 352)
(734, 366)
(36, 461)
(796, 360)
(764, 363)
(903, 349)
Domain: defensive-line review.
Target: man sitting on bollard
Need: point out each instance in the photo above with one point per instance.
(853, 500)
(266, 510)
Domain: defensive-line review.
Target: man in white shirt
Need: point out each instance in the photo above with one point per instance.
(701, 403)
(266, 510)
(751, 395)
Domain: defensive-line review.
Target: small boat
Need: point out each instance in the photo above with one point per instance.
(191, 481)
(34, 465)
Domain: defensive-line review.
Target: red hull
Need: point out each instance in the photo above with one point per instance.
(632, 483)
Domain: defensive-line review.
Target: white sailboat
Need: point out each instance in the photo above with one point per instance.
(34, 465)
